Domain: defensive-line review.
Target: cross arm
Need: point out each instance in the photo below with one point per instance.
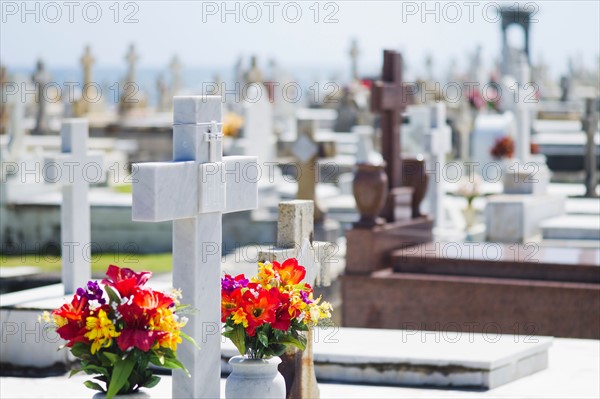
(164, 191)
(65, 168)
(387, 96)
(241, 181)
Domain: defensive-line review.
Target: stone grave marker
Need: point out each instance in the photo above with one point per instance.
(75, 169)
(129, 97)
(175, 69)
(308, 149)
(590, 127)
(389, 97)
(438, 143)
(41, 78)
(194, 191)
(259, 135)
(295, 230)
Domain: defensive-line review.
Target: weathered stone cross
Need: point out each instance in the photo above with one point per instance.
(389, 97)
(295, 227)
(194, 191)
(74, 168)
(308, 149)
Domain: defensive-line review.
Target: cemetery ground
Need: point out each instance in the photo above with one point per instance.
(573, 372)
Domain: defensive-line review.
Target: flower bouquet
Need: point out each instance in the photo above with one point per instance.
(266, 313)
(262, 317)
(504, 147)
(116, 329)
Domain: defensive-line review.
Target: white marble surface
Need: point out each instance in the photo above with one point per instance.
(259, 135)
(572, 227)
(516, 218)
(573, 372)
(18, 271)
(423, 357)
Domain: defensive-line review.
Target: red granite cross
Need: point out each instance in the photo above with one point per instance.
(389, 97)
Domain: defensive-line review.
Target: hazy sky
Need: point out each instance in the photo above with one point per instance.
(196, 32)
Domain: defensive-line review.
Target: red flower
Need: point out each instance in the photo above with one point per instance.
(137, 314)
(141, 339)
(73, 315)
(230, 302)
(125, 280)
(260, 307)
(290, 271)
(283, 318)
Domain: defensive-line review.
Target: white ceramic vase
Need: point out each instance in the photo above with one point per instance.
(254, 379)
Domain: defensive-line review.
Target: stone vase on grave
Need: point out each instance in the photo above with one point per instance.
(470, 215)
(255, 379)
(370, 189)
(414, 175)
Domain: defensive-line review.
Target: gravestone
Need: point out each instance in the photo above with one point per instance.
(41, 78)
(194, 191)
(87, 60)
(354, 53)
(74, 169)
(389, 97)
(130, 90)
(590, 127)
(295, 230)
(489, 128)
(163, 104)
(175, 68)
(82, 106)
(259, 137)
(308, 149)
(437, 143)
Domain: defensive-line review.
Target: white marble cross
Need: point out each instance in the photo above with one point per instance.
(194, 191)
(75, 169)
(438, 143)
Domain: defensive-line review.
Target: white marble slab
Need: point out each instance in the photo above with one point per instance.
(516, 218)
(572, 227)
(404, 357)
(573, 370)
(18, 271)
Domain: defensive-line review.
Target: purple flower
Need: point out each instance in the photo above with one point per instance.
(304, 297)
(92, 292)
(230, 284)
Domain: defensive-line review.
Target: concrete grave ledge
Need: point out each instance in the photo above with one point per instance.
(424, 358)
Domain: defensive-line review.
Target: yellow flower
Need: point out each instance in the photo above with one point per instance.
(101, 331)
(165, 321)
(239, 317)
(266, 275)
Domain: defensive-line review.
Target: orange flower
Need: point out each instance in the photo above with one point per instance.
(70, 318)
(290, 272)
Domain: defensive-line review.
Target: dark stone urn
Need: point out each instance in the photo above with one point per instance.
(414, 175)
(370, 189)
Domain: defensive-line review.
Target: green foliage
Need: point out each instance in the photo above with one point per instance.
(156, 263)
(267, 342)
